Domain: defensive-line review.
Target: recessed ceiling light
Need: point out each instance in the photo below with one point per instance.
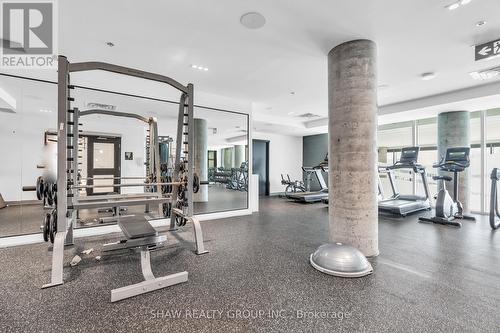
(45, 110)
(201, 68)
(457, 4)
(428, 76)
(383, 86)
(291, 113)
(110, 44)
(480, 23)
(485, 74)
(253, 20)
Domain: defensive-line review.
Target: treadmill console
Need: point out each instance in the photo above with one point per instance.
(409, 155)
(458, 155)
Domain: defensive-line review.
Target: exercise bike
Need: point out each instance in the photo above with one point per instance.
(494, 213)
(292, 186)
(449, 209)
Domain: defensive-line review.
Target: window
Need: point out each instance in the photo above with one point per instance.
(475, 175)
(391, 138)
(427, 141)
(492, 148)
(212, 159)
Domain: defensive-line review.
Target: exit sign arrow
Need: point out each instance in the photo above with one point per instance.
(487, 50)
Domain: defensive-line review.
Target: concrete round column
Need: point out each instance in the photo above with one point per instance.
(454, 131)
(228, 158)
(201, 157)
(239, 155)
(352, 132)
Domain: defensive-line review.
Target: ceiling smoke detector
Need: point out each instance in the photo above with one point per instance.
(253, 20)
(110, 44)
(428, 76)
(485, 74)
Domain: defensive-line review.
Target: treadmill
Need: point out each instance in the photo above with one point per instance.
(405, 204)
(314, 196)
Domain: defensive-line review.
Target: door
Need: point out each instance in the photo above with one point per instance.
(103, 161)
(260, 164)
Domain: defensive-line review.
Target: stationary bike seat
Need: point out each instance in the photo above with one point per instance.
(446, 178)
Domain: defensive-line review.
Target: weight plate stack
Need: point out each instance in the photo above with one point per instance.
(53, 226)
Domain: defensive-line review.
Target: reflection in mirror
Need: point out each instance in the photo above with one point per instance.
(221, 158)
(112, 151)
(27, 112)
(115, 151)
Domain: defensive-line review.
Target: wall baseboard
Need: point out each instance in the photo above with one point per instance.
(22, 202)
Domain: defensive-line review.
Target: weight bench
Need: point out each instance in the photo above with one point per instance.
(141, 235)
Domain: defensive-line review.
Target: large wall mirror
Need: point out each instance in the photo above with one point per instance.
(221, 157)
(111, 148)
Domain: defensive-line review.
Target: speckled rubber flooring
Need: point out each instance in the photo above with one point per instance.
(257, 278)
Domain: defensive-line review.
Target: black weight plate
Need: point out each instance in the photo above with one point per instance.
(181, 192)
(167, 207)
(39, 188)
(196, 183)
(179, 221)
(50, 198)
(46, 227)
(53, 226)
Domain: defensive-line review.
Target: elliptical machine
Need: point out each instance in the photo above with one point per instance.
(494, 211)
(448, 209)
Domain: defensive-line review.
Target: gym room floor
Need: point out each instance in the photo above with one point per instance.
(428, 278)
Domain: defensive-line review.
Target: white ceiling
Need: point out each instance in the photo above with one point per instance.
(38, 100)
(289, 53)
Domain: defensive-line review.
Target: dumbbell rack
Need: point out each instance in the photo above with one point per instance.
(67, 161)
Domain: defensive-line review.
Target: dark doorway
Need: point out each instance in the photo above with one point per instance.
(260, 165)
(103, 161)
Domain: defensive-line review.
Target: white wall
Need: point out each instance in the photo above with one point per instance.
(22, 147)
(285, 157)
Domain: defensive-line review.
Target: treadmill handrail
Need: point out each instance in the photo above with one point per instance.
(494, 210)
(414, 166)
(443, 164)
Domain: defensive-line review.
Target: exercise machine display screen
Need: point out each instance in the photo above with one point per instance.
(458, 154)
(409, 154)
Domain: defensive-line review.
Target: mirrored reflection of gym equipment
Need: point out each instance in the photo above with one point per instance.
(234, 178)
(494, 211)
(140, 235)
